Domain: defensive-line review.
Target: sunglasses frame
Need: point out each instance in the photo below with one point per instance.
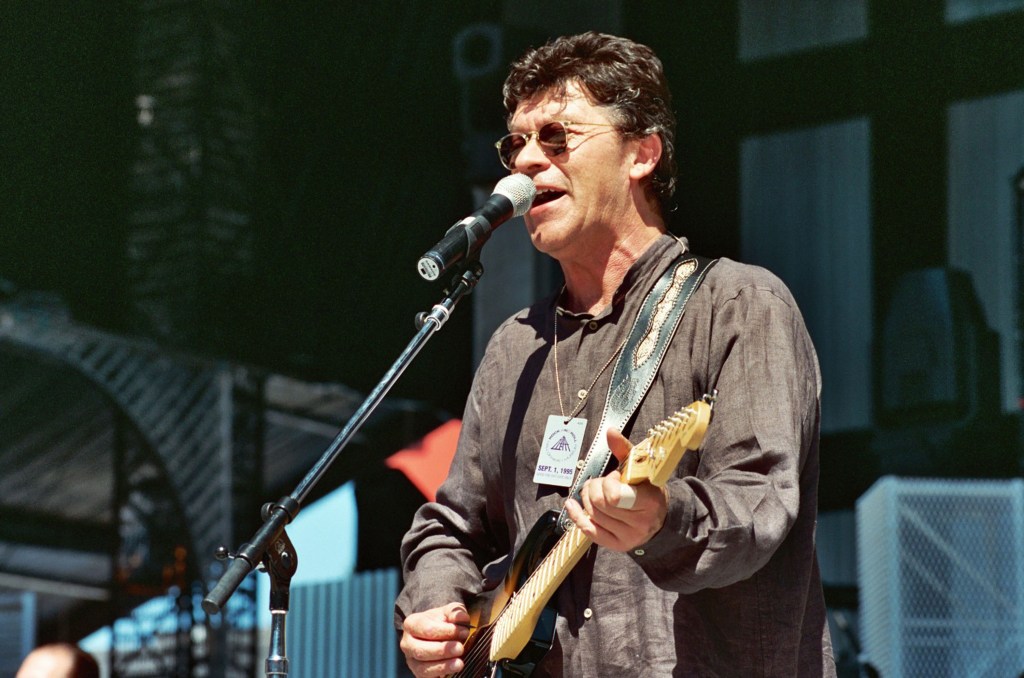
(548, 148)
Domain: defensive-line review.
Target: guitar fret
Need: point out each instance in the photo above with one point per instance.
(552, 571)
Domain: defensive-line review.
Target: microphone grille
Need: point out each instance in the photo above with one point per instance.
(520, 189)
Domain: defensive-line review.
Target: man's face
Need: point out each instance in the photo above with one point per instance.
(583, 193)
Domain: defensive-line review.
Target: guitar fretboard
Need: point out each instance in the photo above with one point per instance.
(510, 632)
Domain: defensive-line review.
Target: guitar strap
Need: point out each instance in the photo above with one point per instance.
(641, 356)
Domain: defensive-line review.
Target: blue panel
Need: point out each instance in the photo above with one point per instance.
(344, 628)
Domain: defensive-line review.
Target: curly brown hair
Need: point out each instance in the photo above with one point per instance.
(616, 72)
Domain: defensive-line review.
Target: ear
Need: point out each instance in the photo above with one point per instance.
(648, 154)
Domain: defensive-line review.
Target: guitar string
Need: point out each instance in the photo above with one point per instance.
(479, 654)
(532, 578)
(483, 643)
(475, 659)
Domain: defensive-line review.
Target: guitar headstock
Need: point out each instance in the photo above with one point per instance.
(655, 458)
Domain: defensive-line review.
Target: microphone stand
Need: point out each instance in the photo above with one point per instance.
(269, 548)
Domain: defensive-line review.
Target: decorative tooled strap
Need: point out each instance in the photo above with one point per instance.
(641, 356)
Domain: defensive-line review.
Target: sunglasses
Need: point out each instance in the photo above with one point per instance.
(552, 137)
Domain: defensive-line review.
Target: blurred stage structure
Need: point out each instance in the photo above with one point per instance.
(125, 466)
(190, 236)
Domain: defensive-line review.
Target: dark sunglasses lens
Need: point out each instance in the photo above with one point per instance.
(510, 146)
(552, 136)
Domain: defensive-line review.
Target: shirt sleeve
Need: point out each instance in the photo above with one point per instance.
(728, 517)
(452, 540)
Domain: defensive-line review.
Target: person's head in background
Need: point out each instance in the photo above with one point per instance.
(58, 660)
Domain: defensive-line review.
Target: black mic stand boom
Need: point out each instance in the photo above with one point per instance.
(270, 547)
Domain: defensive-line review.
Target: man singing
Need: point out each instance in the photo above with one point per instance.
(714, 574)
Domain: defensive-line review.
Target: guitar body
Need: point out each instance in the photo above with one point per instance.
(478, 665)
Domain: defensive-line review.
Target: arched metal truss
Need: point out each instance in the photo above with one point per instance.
(187, 453)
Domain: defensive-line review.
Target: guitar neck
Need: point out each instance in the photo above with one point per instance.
(514, 625)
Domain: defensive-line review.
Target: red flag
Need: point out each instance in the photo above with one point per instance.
(426, 463)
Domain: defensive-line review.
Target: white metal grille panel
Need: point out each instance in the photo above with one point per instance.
(941, 564)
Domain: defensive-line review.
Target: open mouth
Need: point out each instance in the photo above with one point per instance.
(547, 195)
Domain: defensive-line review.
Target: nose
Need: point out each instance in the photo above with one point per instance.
(531, 157)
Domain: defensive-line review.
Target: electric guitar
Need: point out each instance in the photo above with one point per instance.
(521, 625)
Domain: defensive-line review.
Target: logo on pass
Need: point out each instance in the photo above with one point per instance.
(561, 446)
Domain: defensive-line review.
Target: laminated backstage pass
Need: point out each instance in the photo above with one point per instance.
(559, 451)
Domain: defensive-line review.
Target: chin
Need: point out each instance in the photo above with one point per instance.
(550, 246)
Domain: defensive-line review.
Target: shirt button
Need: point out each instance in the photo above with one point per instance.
(588, 613)
(581, 394)
(592, 325)
(581, 463)
(639, 552)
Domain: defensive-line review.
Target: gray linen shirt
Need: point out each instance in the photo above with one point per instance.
(730, 585)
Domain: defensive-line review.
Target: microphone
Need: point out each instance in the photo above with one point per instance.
(512, 197)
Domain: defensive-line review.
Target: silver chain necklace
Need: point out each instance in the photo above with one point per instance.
(586, 393)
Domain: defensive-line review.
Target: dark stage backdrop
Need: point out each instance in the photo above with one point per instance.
(358, 169)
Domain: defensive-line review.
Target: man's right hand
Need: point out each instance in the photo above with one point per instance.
(433, 640)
